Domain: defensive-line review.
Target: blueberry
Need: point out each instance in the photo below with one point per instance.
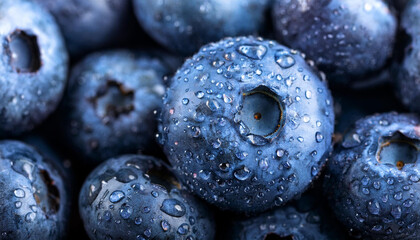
(137, 197)
(90, 25)
(246, 124)
(109, 106)
(306, 218)
(408, 76)
(372, 178)
(33, 66)
(344, 37)
(33, 200)
(184, 26)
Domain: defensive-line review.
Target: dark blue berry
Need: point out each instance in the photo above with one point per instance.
(343, 37)
(34, 203)
(109, 106)
(90, 25)
(306, 218)
(33, 66)
(184, 26)
(372, 178)
(246, 124)
(408, 76)
(136, 197)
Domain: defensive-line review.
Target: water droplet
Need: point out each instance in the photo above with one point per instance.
(377, 228)
(126, 211)
(183, 229)
(165, 225)
(314, 171)
(173, 207)
(18, 204)
(278, 201)
(147, 232)
(373, 207)
(138, 220)
(319, 137)
(284, 59)
(199, 94)
(29, 217)
(279, 153)
(308, 94)
(396, 212)
(155, 194)
(204, 174)
(116, 196)
(25, 167)
(213, 105)
(185, 101)
(398, 196)
(263, 163)
(107, 216)
(227, 99)
(19, 193)
(414, 178)
(408, 203)
(242, 173)
(256, 52)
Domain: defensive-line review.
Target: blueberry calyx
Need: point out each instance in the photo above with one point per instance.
(113, 100)
(51, 205)
(23, 51)
(261, 115)
(398, 150)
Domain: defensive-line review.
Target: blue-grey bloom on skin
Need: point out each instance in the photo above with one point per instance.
(109, 107)
(34, 202)
(247, 123)
(344, 37)
(184, 26)
(137, 197)
(372, 177)
(33, 66)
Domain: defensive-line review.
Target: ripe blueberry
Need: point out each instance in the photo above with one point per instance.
(246, 124)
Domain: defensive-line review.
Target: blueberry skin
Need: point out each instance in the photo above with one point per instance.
(33, 66)
(136, 197)
(110, 103)
(222, 152)
(344, 37)
(305, 218)
(370, 189)
(33, 200)
(183, 26)
(408, 75)
(89, 25)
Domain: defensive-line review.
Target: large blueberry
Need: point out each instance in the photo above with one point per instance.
(408, 76)
(110, 103)
(33, 199)
(344, 37)
(90, 24)
(33, 66)
(306, 218)
(184, 26)
(373, 178)
(137, 197)
(246, 124)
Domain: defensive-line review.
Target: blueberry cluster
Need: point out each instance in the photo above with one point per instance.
(209, 119)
